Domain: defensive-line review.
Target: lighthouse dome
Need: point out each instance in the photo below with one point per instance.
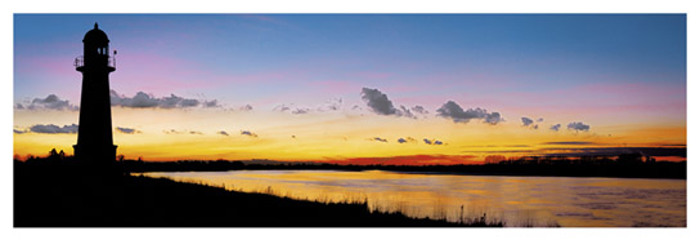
(96, 36)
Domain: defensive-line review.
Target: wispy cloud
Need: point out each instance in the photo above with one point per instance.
(249, 133)
(126, 130)
(211, 104)
(172, 131)
(246, 107)
(555, 127)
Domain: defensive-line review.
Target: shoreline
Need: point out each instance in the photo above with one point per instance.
(660, 170)
(427, 173)
(46, 197)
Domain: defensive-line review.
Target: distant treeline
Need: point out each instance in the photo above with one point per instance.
(625, 165)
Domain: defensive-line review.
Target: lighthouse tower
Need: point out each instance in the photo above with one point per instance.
(95, 131)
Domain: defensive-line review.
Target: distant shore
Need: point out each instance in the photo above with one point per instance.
(613, 169)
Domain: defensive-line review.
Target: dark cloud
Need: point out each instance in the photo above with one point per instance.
(540, 119)
(536, 126)
(196, 133)
(19, 131)
(379, 139)
(427, 141)
(143, 100)
(555, 127)
(452, 110)
(406, 140)
(127, 130)
(223, 133)
(578, 126)
(249, 133)
(437, 142)
(493, 118)
(526, 121)
(53, 129)
(379, 102)
(51, 102)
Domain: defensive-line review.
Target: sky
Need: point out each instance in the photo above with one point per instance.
(359, 88)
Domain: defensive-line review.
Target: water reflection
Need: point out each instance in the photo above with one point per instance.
(519, 201)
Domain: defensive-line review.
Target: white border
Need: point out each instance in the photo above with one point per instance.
(341, 235)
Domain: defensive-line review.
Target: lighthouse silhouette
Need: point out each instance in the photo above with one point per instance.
(94, 145)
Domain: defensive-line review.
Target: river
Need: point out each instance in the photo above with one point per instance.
(517, 201)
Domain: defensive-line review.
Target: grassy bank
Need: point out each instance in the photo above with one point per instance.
(55, 196)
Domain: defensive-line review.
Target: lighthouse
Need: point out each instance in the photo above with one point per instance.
(95, 145)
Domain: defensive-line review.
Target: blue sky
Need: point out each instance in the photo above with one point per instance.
(610, 71)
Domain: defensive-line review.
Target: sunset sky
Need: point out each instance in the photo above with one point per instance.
(361, 88)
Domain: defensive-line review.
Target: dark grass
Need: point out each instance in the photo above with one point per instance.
(61, 196)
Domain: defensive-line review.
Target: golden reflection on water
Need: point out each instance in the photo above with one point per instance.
(518, 201)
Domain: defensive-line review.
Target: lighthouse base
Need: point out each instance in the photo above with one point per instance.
(95, 156)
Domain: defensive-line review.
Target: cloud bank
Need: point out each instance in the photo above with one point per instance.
(51, 102)
(54, 129)
(143, 100)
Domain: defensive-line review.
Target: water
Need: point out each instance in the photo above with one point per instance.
(517, 201)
